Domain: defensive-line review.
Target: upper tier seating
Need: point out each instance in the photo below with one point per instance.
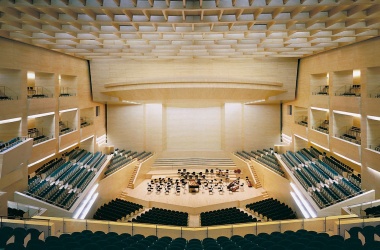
(288, 240)
(60, 183)
(4, 97)
(64, 129)
(163, 217)
(322, 178)
(37, 136)
(323, 127)
(9, 144)
(265, 157)
(123, 157)
(224, 216)
(116, 210)
(271, 209)
(352, 135)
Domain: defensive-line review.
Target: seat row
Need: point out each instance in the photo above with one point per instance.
(271, 209)
(60, 182)
(288, 240)
(122, 157)
(373, 211)
(231, 215)
(163, 217)
(9, 144)
(320, 176)
(265, 157)
(117, 209)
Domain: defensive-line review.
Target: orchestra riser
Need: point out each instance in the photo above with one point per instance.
(192, 203)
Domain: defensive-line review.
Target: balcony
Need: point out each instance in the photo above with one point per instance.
(348, 149)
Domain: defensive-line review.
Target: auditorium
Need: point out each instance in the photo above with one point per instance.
(189, 124)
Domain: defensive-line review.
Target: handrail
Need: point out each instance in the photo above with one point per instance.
(7, 96)
(321, 224)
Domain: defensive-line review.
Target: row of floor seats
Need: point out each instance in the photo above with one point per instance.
(265, 157)
(163, 217)
(117, 209)
(225, 216)
(9, 144)
(369, 236)
(271, 209)
(288, 240)
(16, 238)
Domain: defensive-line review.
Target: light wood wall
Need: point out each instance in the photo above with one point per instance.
(235, 127)
(340, 63)
(17, 59)
(203, 70)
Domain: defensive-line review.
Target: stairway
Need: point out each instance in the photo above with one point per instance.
(258, 184)
(265, 195)
(123, 195)
(130, 184)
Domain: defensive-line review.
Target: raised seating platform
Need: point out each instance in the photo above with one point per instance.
(192, 162)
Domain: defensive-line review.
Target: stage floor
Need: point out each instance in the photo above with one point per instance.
(192, 200)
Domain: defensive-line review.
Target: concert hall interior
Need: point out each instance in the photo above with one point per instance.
(226, 124)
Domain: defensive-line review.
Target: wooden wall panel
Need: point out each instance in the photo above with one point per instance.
(126, 126)
(364, 56)
(250, 70)
(18, 59)
(233, 127)
(153, 127)
(261, 126)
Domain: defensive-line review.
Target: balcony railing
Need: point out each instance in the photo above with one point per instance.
(349, 90)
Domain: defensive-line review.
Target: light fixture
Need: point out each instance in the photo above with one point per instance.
(10, 120)
(85, 201)
(257, 101)
(348, 159)
(376, 118)
(85, 139)
(374, 171)
(88, 207)
(303, 138)
(40, 115)
(41, 160)
(101, 139)
(72, 145)
(356, 73)
(68, 110)
(300, 206)
(31, 75)
(130, 102)
(321, 109)
(346, 113)
(304, 202)
(286, 138)
(316, 144)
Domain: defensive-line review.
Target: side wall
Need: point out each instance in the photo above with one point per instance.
(135, 71)
(157, 128)
(17, 59)
(339, 64)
